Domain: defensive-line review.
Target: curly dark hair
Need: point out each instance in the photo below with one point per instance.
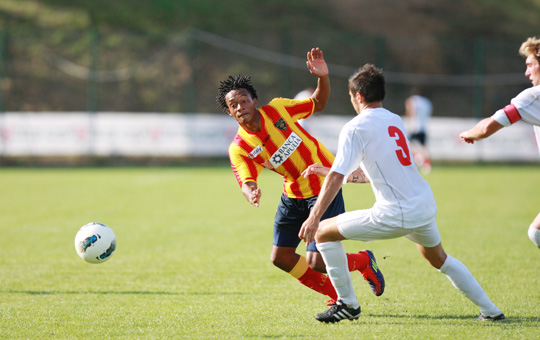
(231, 83)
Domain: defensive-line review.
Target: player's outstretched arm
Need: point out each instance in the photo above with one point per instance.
(317, 66)
(485, 128)
(357, 176)
(316, 169)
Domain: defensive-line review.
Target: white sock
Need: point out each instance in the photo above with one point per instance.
(464, 281)
(534, 235)
(335, 258)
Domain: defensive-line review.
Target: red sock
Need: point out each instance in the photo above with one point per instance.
(358, 261)
(318, 282)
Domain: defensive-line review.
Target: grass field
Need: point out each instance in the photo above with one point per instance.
(192, 260)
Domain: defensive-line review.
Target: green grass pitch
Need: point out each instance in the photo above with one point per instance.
(192, 260)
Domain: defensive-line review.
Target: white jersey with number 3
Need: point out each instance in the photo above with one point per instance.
(375, 140)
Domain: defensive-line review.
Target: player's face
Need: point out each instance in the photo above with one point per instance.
(533, 70)
(241, 106)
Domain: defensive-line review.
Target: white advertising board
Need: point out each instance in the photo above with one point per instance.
(109, 134)
(180, 135)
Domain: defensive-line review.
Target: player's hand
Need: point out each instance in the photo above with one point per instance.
(252, 193)
(316, 63)
(465, 136)
(255, 197)
(316, 169)
(308, 230)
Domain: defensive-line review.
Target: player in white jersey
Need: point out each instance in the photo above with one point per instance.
(404, 205)
(418, 110)
(526, 106)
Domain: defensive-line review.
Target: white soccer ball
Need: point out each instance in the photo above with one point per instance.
(95, 242)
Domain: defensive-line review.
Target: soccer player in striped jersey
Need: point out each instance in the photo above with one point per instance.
(404, 204)
(271, 137)
(526, 107)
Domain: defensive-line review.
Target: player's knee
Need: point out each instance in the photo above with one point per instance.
(275, 259)
(319, 236)
(327, 232)
(285, 263)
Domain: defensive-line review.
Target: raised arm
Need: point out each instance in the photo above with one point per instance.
(317, 66)
(485, 128)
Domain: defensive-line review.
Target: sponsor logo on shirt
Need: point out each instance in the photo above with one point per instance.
(255, 152)
(286, 150)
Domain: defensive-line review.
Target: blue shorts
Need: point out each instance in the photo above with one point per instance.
(292, 212)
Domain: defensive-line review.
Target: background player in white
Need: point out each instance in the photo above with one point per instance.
(404, 204)
(525, 106)
(418, 110)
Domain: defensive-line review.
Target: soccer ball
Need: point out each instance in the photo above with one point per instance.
(95, 242)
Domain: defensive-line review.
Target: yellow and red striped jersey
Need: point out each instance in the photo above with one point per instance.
(282, 146)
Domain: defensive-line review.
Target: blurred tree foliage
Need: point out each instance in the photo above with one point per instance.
(161, 17)
(135, 35)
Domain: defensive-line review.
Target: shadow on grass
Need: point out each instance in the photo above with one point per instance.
(134, 292)
(277, 336)
(509, 319)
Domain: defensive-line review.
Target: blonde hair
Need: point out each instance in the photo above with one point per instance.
(530, 46)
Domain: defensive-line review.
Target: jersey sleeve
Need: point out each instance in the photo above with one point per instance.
(501, 118)
(350, 152)
(297, 109)
(244, 168)
(523, 106)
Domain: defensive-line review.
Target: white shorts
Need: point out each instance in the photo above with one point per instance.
(360, 225)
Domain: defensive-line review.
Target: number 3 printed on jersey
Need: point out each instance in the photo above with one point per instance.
(402, 153)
